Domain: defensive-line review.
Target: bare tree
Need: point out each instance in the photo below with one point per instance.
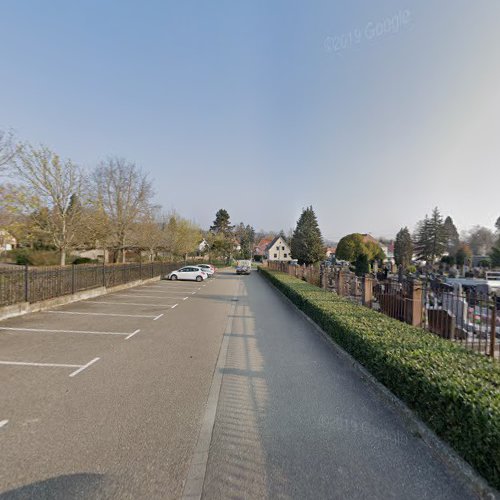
(123, 193)
(182, 236)
(480, 239)
(8, 150)
(148, 234)
(55, 186)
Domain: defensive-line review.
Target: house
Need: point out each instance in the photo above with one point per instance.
(278, 250)
(259, 251)
(7, 241)
(236, 245)
(203, 246)
(330, 252)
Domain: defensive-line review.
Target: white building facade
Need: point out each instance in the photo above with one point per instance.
(278, 250)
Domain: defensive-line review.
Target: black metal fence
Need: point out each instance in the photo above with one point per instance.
(33, 284)
(469, 316)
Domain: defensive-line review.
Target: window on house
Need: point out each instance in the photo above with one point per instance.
(275, 255)
(283, 248)
(284, 255)
(277, 248)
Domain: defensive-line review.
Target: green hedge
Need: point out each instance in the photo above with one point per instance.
(455, 391)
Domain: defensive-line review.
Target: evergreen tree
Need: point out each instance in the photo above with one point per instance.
(246, 238)
(307, 242)
(452, 238)
(222, 224)
(403, 248)
(422, 239)
(495, 250)
(497, 225)
(495, 255)
(430, 239)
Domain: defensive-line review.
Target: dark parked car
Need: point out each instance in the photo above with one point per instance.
(243, 267)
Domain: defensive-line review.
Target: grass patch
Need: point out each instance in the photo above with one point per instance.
(455, 391)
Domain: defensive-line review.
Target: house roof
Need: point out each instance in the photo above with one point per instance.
(368, 237)
(262, 245)
(274, 240)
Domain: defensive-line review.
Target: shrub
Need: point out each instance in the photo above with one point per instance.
(23, 256)
(455, 391)
(84, 260)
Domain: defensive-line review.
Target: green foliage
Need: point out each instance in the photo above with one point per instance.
(431, 237)
(84, 260)
(495, 254)
(373, 251)
(451, 235)
(448, 259)
(362, 265)
(403, 248)
(246, 237)
(307, 242)
(221, 247)
(453, 389)
(222, 223)
(23, 256)
(353, 245)
(350, 247)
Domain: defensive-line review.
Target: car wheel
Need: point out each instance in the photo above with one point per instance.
(199, 278)
(173, 277)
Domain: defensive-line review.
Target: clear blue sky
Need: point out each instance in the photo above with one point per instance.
(263, 107)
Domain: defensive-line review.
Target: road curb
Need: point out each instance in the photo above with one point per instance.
(462, 470)
(193, 486)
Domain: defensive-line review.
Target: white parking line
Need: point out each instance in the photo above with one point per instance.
(49, 330)
(158, 317)
(84, 367)
(3, 423)
(185, 298)
(132, 334)
(103, 314)
(172, 287)
(149, 296)
(174, 306)
(79, 368)
(127, 303)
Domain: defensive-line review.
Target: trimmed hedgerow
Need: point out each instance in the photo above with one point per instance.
(455, 391)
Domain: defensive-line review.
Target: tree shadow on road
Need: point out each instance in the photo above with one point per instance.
(74, 486)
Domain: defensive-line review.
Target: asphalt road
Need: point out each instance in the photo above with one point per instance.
(105, 398)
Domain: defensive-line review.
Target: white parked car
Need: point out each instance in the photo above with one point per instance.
(192, 273)
(207, 268)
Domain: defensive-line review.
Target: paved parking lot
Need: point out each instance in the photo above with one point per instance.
(84, 383)
(55, 338)
(125, 396)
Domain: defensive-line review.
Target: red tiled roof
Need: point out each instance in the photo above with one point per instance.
(262, 245)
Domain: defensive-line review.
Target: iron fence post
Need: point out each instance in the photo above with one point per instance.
(104, 274)
(493, 329)
(73, 279)
(140, 268)
(26, 283)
